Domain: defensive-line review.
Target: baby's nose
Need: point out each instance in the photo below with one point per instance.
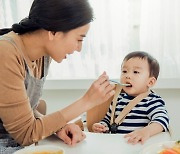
(127, 76)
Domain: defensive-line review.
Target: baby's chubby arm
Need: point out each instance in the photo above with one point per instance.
(141, 135)
(99, 128)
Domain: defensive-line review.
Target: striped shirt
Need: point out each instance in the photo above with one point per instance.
(150, 109)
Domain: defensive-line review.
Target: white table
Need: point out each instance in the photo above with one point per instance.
(96, 143)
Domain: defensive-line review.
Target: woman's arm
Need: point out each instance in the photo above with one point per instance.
(99, 92)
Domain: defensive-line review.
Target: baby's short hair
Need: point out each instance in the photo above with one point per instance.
(154, 67)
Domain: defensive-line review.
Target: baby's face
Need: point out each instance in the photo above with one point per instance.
(135, 72)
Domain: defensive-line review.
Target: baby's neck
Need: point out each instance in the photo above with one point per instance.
(135, 95)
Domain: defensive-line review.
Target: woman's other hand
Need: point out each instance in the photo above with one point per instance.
(99, 128)
(100, 91)
(71, 134)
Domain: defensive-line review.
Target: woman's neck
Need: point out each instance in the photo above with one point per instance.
(34, 44)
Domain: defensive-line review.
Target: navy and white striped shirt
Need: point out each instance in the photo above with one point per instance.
(150, 109)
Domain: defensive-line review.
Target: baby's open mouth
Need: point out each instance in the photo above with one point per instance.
(128, 84)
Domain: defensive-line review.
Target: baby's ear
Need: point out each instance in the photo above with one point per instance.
(152, 81)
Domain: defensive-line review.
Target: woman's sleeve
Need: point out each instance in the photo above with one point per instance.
(15, 111)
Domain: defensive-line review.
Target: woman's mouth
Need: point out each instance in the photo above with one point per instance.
(66, 56)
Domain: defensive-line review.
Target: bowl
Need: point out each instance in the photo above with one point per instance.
(157, 148)
(41, 149)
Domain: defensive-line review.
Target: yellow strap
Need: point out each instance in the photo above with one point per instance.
(117, 92)
(128, 108)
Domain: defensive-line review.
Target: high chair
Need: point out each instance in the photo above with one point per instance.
(97, 113)
(42, 107)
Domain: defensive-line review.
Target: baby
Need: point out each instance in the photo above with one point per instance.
(149, 117)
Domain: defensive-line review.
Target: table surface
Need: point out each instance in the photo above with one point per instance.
(96, 143)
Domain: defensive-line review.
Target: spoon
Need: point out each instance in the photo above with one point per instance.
(122, 84)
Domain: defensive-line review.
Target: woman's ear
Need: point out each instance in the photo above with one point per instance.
(152, 81)
(51, 35)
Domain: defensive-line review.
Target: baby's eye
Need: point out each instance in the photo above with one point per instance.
(136, 72)
(124, 71)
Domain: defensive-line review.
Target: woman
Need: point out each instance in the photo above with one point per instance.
(53, 29)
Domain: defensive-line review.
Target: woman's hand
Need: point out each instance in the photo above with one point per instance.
(71, 134)
(99, 128)
(100, 91)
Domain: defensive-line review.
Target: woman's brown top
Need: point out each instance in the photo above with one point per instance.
(15, 110)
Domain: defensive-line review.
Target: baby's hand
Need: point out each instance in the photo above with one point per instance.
(99, 128)
(140, 135)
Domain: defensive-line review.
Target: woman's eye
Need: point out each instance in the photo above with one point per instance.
(124, 71)
(136, 72)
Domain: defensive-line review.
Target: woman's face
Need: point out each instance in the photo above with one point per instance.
(61, 44)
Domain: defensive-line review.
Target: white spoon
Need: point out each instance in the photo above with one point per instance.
(122, 84)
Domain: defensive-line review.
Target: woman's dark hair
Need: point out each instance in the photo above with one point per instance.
(153, 63)
(54, 15)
